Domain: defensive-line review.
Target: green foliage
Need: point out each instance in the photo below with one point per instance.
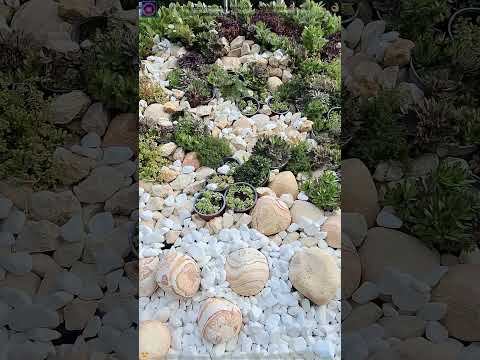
(198, 92)
(189, 132)
(332, 125)
(301, 158)
(212, 150)
(279, 106)
(416, 17)
(381, 136)
(255, 78)
(317, 108)
(208, 44)
(465, 49)
(327, 155)
(179, 23)
(110, 67)
(243, 9)
(209, 202)
(312, 13)
(430, 50)
(28, 138)
(150, 158)
(240, 197)
(313, 39)
(324, 192)
(247, 106)
(274, 148)
(254, 171)
(440, 210)
(222, 181)
(272, 41)
(151, 92)
(229, 84)
(179, 78)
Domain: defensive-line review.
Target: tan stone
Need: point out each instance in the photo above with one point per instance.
(351, 267)
(398, 52)
(333, 227)
(305, 209)
(284, 183)
(123, 131)
(191, 159)
(390, 248)
(460, 290)
(270, 216)
(315, 274)
(358, 190)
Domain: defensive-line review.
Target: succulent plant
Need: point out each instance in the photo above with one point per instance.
(228, 27)
(209, 202)
(191, 60)
(254, 171)
(240, 197)
(198, 92)
(274, 148)
(324, 192)
(222, 181)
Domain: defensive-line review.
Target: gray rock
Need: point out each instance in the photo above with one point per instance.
(346, 309)
(116, 154)
(433, 277)
(68, 282)
(91, 140)
(5, 207)
(93, 325)
(423, 165)
(43, 335)
(69, 107)
(403, 326)
(436, 332)
(95, 189)
(73, 167)
(54, 207)
(354, 347)
(14, 223)
(4, 310)
(38, 236)
(95, 120)
(18, 263)
(388, 171)
(355, 226)
(128, 168)
(67, 253)
(182, 181)
(389, 310)
(39, 18)
(14, 297)
(410, 300)
(91, 153)
(54, 301)
(390, 78)
(124, 201)
(117, 318)
(353, 33)
(388, 220)
(361, 316)
(368, 291)
(25, 317)
(73, 230)
(390, 36)
(371, 36)
(6, 239)
(433, 311)
(101, 223)
(471, 352)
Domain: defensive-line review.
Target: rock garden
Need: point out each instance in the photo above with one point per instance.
(239, 154)
(410, 186)
(68, 180)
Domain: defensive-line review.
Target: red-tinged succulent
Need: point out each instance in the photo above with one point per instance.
(229, 27)
(191, 60)
(277, 24)
(332, 49)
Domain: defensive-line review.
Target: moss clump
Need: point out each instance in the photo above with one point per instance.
(212, 150)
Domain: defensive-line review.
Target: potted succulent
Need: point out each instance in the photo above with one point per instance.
(274, 148)
(241, 197)
(220, 183)
(278, 106)
(209, 204)
(248, 105)
(470, 13)
(232, 163)
(349, 11)
(254, 171)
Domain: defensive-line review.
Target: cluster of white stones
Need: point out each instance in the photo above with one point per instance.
(285, 241)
